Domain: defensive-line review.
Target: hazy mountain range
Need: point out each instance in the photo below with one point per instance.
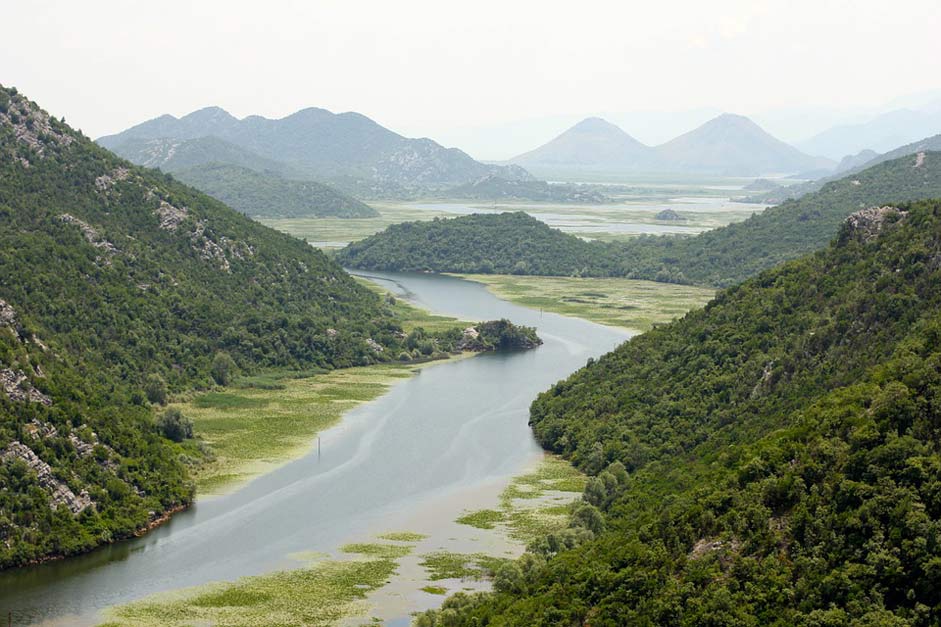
(725, 145)
(880, 134)
(347, 150)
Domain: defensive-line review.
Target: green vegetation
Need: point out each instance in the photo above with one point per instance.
(446, 565)
(521, 245)
(504, 243)
(482, 519)
(120, 285)
(381, 551)
(318, 595)
(268, 195)
(531, 506)
(617, 302)
(338, 232)
(253, 427)
(435, 590)
(496, 188)
(771, 459)
(403, 536)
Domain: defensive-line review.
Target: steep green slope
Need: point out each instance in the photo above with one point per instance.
(270, 196)
(721, 257)
(112, 277)
(772, 459)
(504, 243)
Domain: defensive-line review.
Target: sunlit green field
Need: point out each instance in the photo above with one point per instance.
(617, 302)
(338, 232)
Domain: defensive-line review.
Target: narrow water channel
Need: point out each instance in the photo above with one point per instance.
(450, 428)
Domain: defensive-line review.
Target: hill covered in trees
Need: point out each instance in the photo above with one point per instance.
(119, 285)
(721, 257)
(268, 195)
(771, 459)
(501, 243)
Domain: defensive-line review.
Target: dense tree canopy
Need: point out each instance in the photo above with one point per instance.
(772, 459)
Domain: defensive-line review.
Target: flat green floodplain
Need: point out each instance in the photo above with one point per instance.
(617, 302)
(337, 232)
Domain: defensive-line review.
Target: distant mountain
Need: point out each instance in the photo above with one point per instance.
(495, 188)
(726, 145)
(592, 143)
(348, 148)
(852, 162)
(734, 145)
(881, 134)
(269, 195)
(928, 144)
(174, 155)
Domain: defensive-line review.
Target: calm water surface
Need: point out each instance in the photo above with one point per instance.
(450, 428)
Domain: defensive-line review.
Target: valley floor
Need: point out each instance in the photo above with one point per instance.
(638, 305)
(456, 545)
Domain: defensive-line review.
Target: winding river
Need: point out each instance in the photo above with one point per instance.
(447, 430)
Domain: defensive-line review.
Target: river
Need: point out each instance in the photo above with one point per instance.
(451, 428)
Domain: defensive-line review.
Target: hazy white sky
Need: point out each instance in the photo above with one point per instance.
(444, 69)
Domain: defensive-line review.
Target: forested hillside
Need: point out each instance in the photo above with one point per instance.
(772, 459)
(722, 257)
(503, 243)
(118, 284)
(268, 195)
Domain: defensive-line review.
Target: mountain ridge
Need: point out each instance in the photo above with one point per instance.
(346, 149)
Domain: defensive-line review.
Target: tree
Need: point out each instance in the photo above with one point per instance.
(223, 367)
(155, 387)
(173, 425)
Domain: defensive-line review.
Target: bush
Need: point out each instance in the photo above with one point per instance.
(156, 389)
(223, 368)
(173, 425)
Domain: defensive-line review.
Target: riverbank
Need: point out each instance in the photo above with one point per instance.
(628, 303)
(250, 431)
(388, 575)
(265, 421)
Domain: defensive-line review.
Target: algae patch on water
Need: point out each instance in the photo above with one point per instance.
(315, 596)
(403, 536)
(446, 565)
(530, 505)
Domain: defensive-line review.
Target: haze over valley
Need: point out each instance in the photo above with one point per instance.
(335, 314)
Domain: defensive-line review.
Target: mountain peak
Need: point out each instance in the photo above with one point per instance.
(733, 144)
(594, 143)
(209, 114)
(596, 124)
